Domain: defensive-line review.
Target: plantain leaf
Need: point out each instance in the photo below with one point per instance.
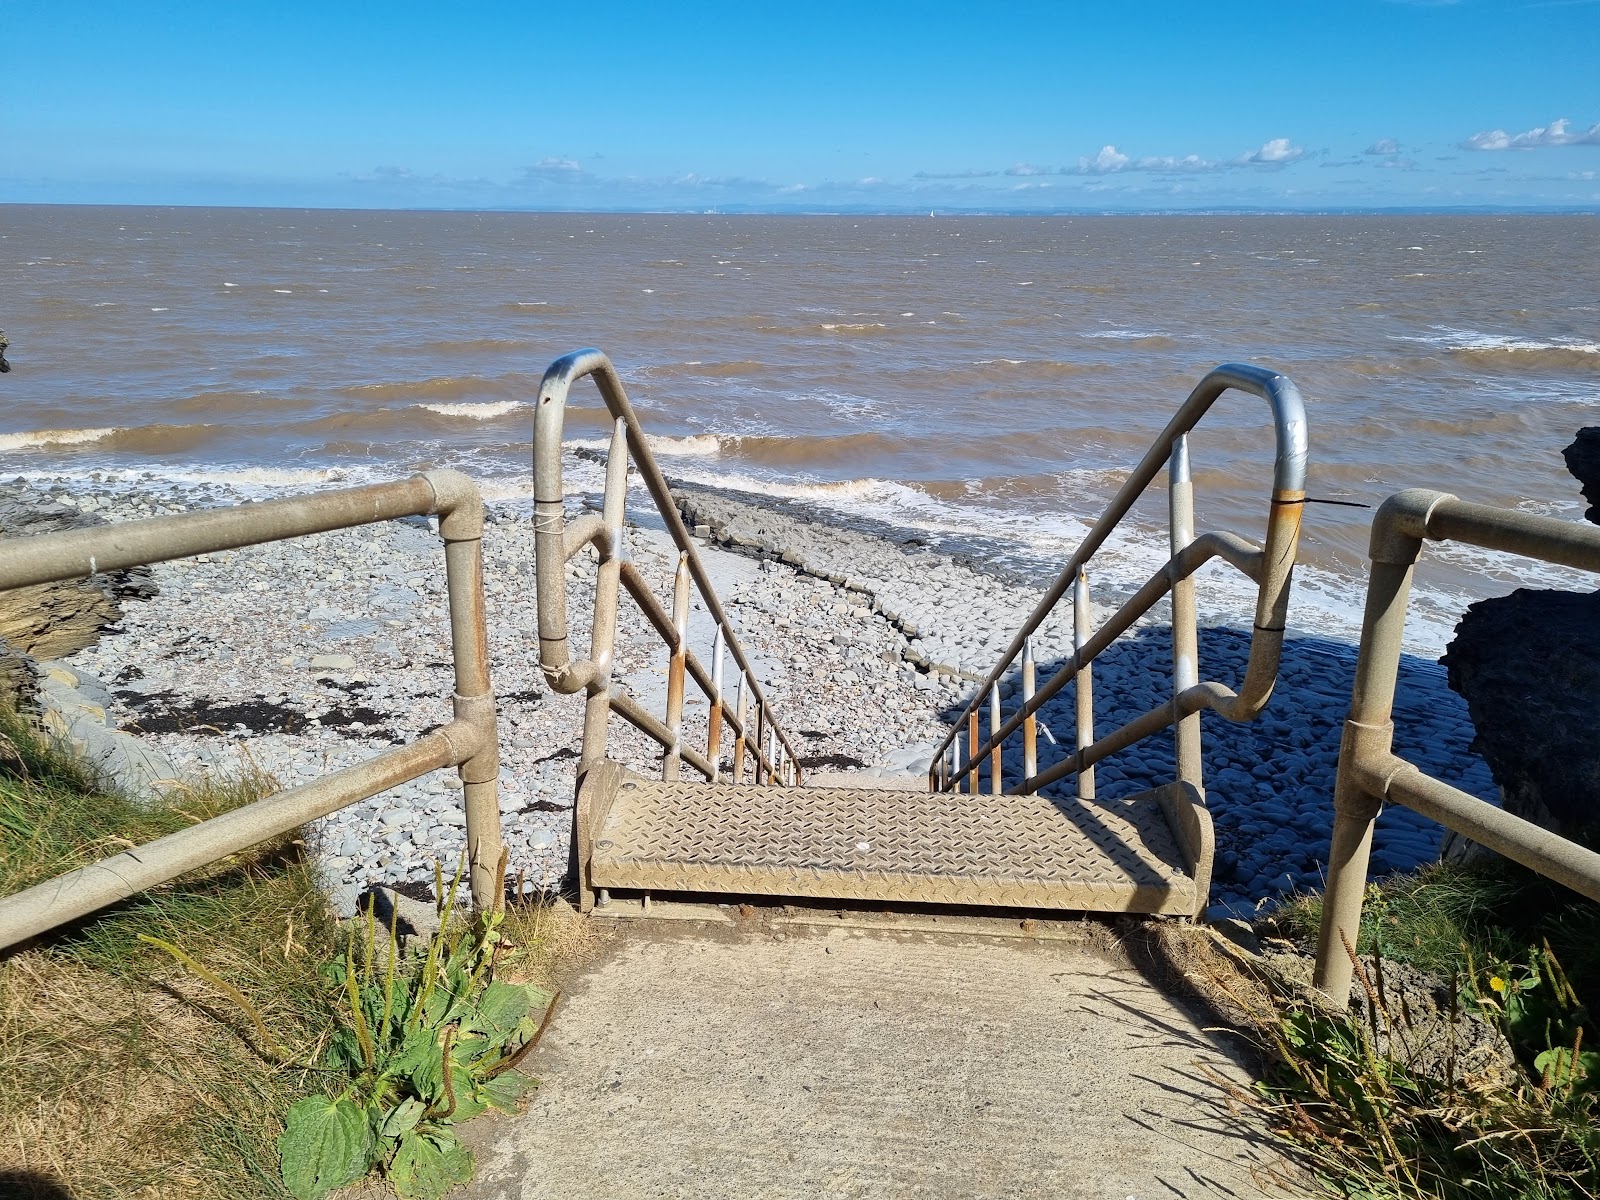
(506, 1090)
(325, 1145)
(402, 1119)
(501, 1007)
(427, 1165)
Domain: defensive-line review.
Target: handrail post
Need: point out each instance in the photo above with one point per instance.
(974, 784)
(671, 760)
(714, 721)
(1368, 732)
(1030, 724)
(1083, 683)
(742, 708)
(607, 582)
(996, 770)
(460, 508)
(1185, 637)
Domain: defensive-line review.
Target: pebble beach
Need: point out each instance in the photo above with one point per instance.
(295, 658)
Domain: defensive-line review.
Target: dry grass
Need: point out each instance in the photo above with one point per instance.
(551, 942)
(1358, 1103)
(120, 1074)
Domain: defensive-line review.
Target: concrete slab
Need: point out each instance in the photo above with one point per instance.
(715, 1062)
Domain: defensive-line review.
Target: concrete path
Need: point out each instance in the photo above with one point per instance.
(821, 1061)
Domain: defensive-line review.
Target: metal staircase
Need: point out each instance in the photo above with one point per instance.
(982, 835)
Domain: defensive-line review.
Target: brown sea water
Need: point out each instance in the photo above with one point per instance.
(992, 376)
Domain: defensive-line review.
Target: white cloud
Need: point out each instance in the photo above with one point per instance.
(1109, 159)
(1274, 153)
(1383, 147)
(971, 174)
(1022, 168)
(1556, 133)
(1165, 162)
(555, 166)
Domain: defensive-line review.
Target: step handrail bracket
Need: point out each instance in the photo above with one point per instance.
(757, 734)
(958, 760)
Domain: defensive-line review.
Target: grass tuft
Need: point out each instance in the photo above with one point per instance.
(122, 1074)
(1368, 1112)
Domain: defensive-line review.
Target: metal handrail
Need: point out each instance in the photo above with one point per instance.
(468, 742)
(1271, 567)
(1371, 774)
(555, 543)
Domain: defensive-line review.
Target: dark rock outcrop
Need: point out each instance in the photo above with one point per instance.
(1583, 460)
(1528, 665)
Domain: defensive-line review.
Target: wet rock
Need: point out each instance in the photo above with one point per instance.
(1583, 460)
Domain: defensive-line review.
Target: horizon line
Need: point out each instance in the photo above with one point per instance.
(743, 210)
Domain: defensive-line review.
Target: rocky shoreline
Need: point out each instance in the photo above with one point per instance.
(295, 658)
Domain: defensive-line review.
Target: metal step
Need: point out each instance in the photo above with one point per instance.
(638, 834)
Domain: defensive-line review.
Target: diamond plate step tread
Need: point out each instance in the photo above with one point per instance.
(910, 847)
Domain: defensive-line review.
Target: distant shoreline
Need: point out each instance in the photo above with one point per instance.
(922, 211)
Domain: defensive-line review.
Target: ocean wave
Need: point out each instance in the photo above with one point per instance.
(700, 369)
(477, 412)
(1133, 337)
(475, 345)
(850, 326)
(1504, 349)
(1033, 368)
(445, 388)
(34, 438)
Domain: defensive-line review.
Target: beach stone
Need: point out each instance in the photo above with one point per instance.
(332, 662)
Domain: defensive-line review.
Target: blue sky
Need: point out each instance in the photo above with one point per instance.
(1126, 106)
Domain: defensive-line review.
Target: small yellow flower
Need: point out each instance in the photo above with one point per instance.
(1497, 983)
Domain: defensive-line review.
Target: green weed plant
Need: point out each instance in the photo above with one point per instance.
(1374, 1121)
(417, 1047)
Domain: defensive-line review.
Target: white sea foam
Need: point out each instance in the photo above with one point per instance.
(1124, 335)
(1471, 339)
(477, 412)
(694, 445)
(854, 328)
(53, 437)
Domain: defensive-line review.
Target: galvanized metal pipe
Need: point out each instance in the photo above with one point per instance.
(452, 496)
(78, 893)
(1030, 722)
(675, 669)
(460, 508)
(1082, 631)
(594, 675)
(80, 553)
(1289, 469)
(714, 719)
(549, 421)
(974, 758)
(996, 771)
(630, 710)
(1224, 700)
(739, 737)
(1185, 636)
(1369, 773)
